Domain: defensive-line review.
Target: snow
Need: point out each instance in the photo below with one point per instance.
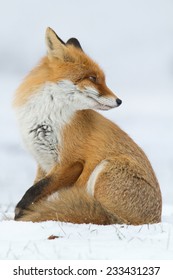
(30, 241)
(136, 54)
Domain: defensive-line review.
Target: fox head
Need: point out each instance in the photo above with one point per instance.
(80, 76)
(69, 76)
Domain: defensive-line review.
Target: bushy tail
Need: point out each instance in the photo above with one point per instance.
(70, 205)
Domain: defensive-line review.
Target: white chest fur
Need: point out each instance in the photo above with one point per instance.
(42, 120)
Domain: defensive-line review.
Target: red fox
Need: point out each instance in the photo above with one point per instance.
(89, 170)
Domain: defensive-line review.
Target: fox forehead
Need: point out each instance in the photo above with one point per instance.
(75, 66)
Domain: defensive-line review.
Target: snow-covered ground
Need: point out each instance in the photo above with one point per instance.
(139, 68)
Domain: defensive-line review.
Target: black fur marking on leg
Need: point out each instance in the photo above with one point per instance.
(31, 196)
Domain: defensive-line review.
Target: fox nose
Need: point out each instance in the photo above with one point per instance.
(119, 101)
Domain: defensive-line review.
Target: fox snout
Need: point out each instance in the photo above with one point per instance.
(107, 103)
(109, 100)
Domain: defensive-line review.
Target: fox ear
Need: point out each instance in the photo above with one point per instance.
(74, 42)
(55, 46)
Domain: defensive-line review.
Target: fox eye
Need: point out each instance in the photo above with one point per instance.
(93, 79)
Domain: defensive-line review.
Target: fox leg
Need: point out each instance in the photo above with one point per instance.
(60, 177)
